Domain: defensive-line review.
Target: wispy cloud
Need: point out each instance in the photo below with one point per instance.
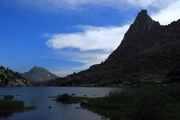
(63, 73)
(57, 5)
(89, 58)
(86, 58)
(91, 38)
(168, 14)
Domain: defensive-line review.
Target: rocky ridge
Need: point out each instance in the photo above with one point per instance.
(8, 78)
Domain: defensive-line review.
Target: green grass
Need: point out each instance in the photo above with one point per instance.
(8, 107)
(153, 103)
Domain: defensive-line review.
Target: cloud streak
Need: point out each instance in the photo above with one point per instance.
(56, 5)
(168, 14)
(86, 58)
(91, 38)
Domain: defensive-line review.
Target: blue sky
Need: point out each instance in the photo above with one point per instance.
(66, 36)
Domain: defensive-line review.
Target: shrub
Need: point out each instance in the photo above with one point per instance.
(11, 105)
(63, 98)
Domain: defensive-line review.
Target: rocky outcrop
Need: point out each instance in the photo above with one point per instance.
(8, 78)
(39, 74)
(148, 54)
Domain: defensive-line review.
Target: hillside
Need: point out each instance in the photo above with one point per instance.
(8, 78)
(148, 54)
(39, 74)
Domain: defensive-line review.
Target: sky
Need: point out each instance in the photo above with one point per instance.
(66, 36)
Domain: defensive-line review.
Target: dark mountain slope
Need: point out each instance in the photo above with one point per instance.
(39, 74)
(148, 54)
(141, 35)
(8, 78)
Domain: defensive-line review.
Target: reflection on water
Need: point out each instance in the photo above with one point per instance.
(5, 115)
(38, 96)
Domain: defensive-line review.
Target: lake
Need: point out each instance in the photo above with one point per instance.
(38, 96)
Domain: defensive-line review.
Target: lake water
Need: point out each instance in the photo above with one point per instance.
(38, 96)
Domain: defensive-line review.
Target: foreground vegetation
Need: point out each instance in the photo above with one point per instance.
(153, 103)
(8, 107)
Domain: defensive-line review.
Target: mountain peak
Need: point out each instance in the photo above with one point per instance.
(139, 36)
(143, 20)
(37, 67)
(39, 74)
(143, 13)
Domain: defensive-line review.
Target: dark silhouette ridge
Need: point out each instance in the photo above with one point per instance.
(148, 54)
(139, 36)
